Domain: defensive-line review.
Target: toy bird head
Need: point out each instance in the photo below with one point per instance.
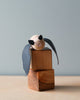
(37, 42)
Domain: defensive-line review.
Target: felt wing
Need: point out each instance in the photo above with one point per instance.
(26, 58)
(52, 46)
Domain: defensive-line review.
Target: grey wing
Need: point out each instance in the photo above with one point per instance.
(52, 46)
(26, 58)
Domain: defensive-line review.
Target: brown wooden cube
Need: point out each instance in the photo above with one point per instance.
(41, 59)
(41, 80)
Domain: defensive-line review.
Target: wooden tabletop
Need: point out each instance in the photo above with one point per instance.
(15, 88)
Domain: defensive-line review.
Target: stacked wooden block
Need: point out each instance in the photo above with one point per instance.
(41, 74)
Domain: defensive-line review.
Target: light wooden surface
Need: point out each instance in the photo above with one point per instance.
(15, 88)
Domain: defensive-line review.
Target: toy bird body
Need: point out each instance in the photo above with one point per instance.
(36, 42)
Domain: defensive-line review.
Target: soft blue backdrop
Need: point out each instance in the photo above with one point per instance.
(58, 20)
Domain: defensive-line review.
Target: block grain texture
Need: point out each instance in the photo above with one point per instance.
(41, 80)
(41, 59)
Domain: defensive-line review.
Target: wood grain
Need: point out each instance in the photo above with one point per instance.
(41, 80)
(41, 59)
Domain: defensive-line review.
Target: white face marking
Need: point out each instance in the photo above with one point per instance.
(35, 38)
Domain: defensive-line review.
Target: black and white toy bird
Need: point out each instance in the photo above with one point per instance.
(36, 42)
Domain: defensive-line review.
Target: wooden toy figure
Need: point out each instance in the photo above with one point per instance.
(37, 61)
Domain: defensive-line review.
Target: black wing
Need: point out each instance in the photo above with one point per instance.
(26, 57)
(52, 46)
